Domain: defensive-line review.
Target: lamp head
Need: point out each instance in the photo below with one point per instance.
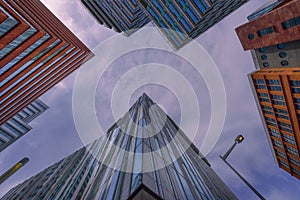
(239, 138)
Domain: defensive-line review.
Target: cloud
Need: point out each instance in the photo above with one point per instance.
(54, 135)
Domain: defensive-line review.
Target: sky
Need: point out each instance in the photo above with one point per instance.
(54, 135)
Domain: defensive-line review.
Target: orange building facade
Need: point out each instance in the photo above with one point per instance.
(36, 51)
(278, 97)
(273, 36)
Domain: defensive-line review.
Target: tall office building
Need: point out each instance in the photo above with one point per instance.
(116, 167)
(36, 51)
(18, 126)
(122, 16)
(184, 20)
(179, 21)
(273, 36)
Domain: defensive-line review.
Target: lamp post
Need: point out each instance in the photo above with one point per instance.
(13, 169)
(238, 140)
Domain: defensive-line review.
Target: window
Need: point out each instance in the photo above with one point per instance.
(295, 83)
(266, 107)
(268, 112)
(274, 133)
(294, 161)
(285, 124)
(266, 64)
(282, 116)
(280, 153)
(291, 150)
(275, 88)
(280, 46)
(285, 112)
(283, 163)
(265, 31)
(262, 50)
(264, 95)
(273, 82)
(291, 22)
(284, 63)
(278, 97)
(264, 57)
(282, 54)
(251, 36)
(264, 100)
(296, 171)
(271, 122)
(261, 81)
(297, 103)
(289, 139)
(278, 144)
(296, 90)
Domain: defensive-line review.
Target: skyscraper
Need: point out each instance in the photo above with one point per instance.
(143, 156)
(184, 20)
(179, 21)
(18, 126)
(273, 36)
(122, 16)
(36, 51)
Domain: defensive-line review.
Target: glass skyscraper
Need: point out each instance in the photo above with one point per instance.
(122, 16)
(180, 21)
(183, 20)
(112, 167)
(18, 126)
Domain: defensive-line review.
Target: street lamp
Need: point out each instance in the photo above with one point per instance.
(238, 140)
(13, 169)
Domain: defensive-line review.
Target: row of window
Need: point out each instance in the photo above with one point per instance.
(295, 83)
(283, 63)
(268, 30)
(278, 144)
(281, 103)
(273, 82)
(296, 171)
(294, 161)
(291, 22)
(282, 116)
(274, 85)
(289, 141)
(292, 150)
(274, 133)
(280, 153)
(287, 138)
(281, 162)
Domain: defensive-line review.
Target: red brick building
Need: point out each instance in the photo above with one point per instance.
(270, 28)
(36, 51)
(273, 36)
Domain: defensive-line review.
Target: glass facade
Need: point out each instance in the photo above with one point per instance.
(123, 16)
(18, 126)
(97, 171)
(181, 21)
